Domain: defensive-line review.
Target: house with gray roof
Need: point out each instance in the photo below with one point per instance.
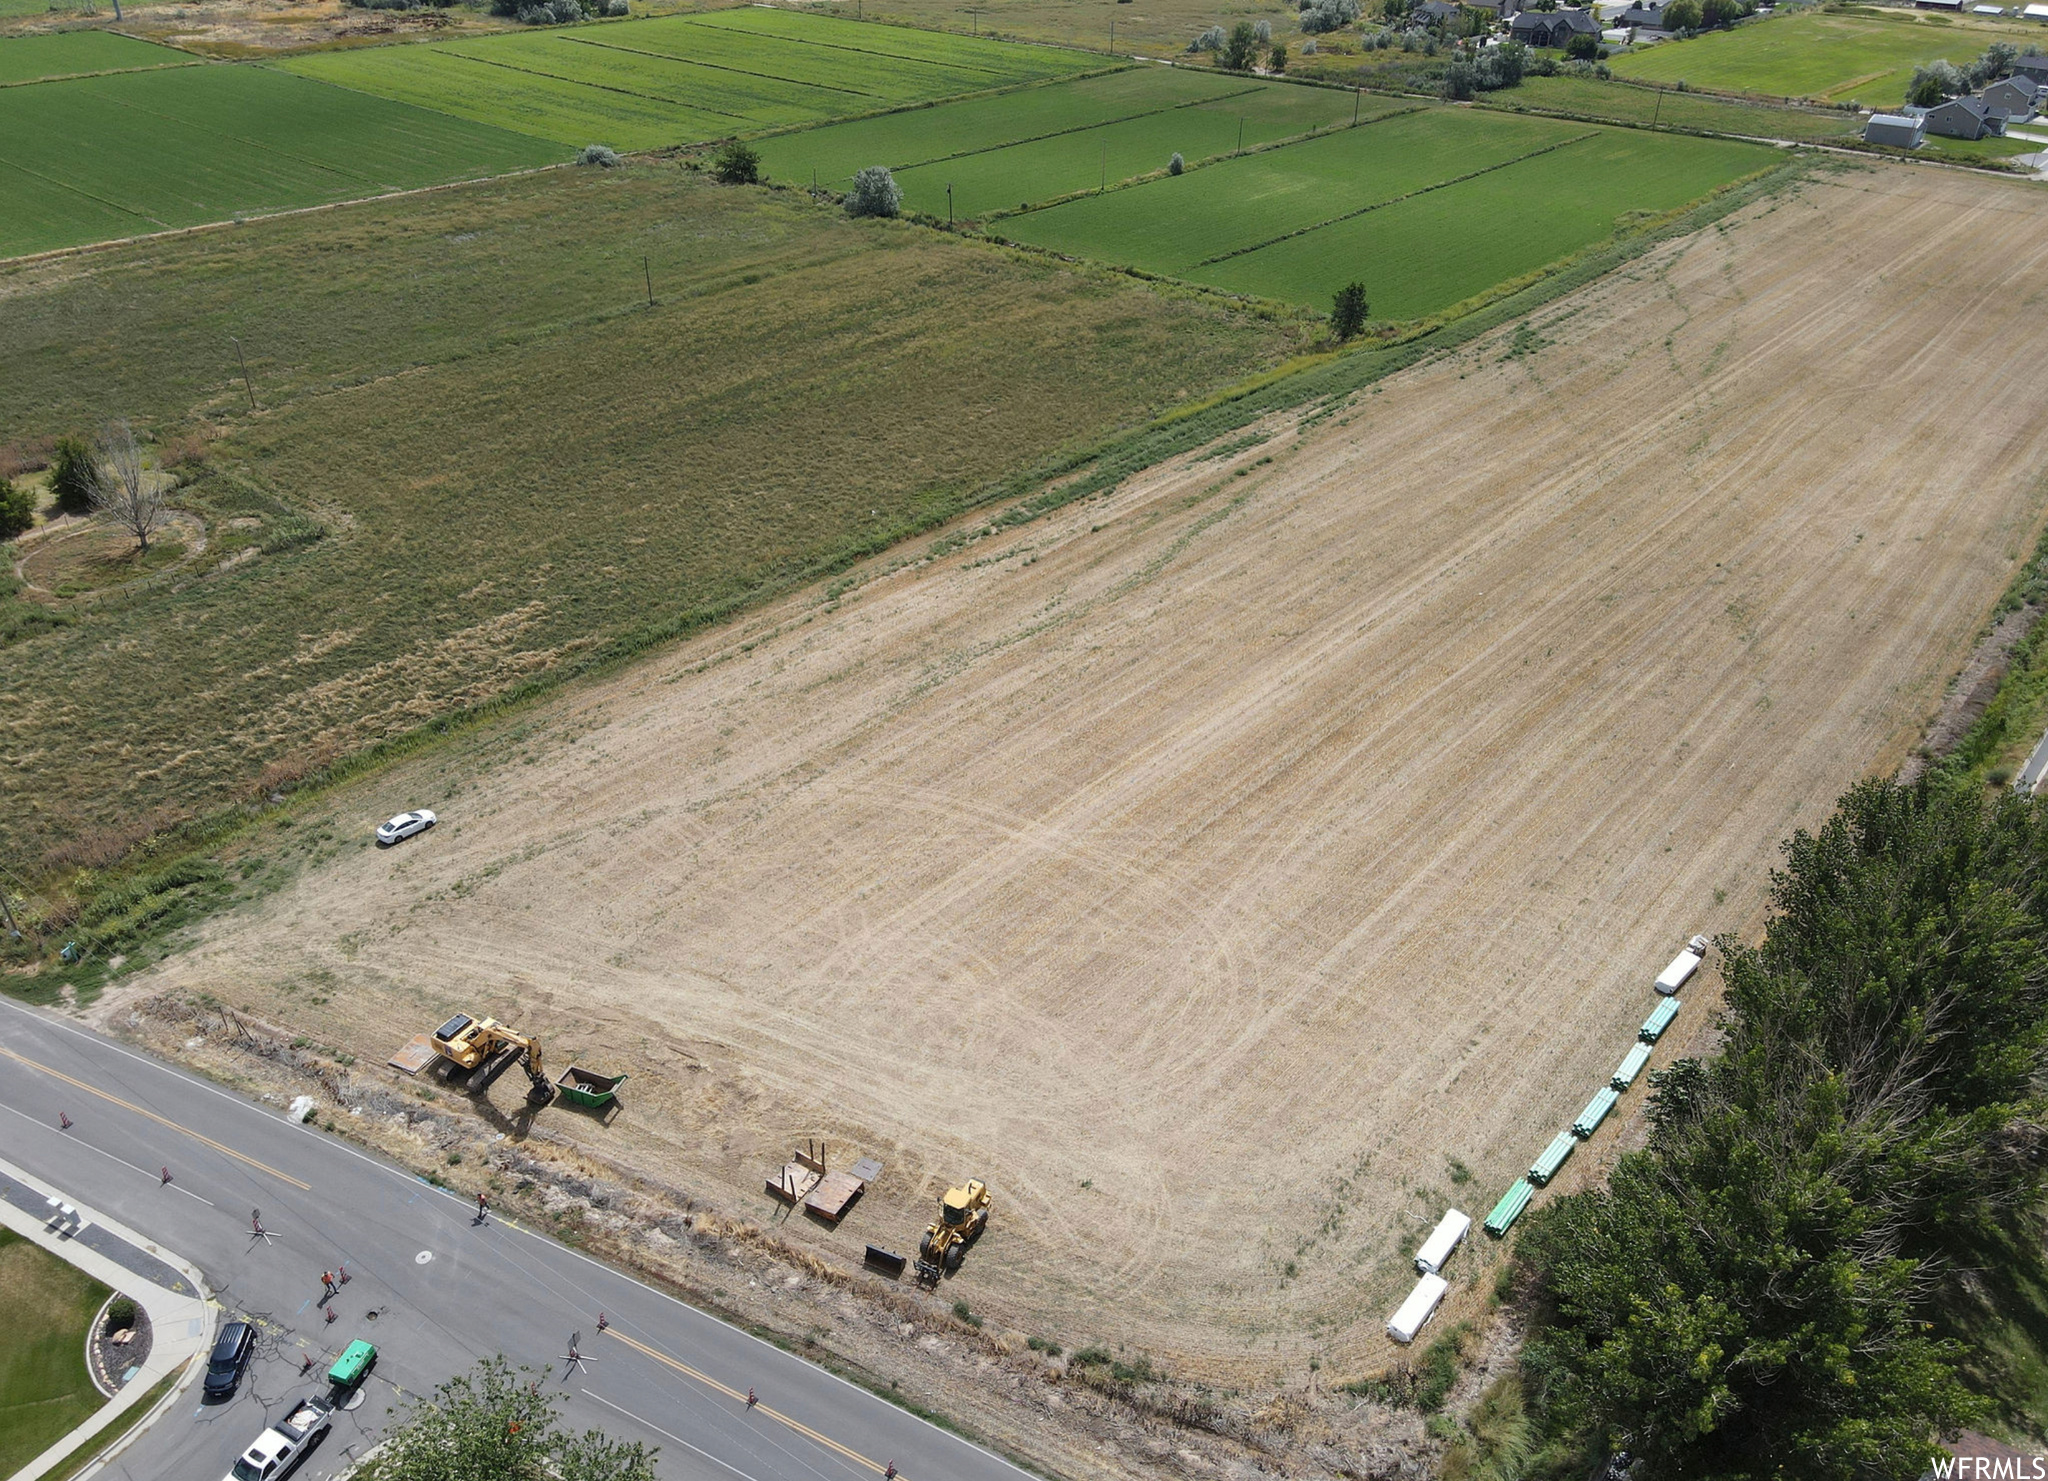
(2033, 64)
(1963, 118)
(2013, 98)
(1552, 27)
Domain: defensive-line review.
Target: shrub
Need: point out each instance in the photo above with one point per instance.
(1089, 1356)
(120, 1314)
(875, 193)
(597, 154)
(1276, 59)
(1319, 16)
(1241, 50)
(17, 509)
(1682, 15)
(737, 164)
(1263, 29)
(1582, 48)
(71, 476)
(966, 1313)
(1935, 82)
(1176, 165)
(1209, 40)
(1040, 1344)
(1348, 311)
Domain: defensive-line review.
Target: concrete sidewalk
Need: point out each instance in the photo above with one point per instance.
(181, 1312)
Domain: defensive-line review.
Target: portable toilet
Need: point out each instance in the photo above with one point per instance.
(1446, 1237)
(1420, 1306)
(1596, 1111)
(1553, 1158)
(1509, 1208)
(1631, 1066)
(1658, 1021)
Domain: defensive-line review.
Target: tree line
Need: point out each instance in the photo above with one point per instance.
(1754, 1293)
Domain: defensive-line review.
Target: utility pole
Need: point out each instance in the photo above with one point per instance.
(7, 911)
(247, 385)
(1356, 94)
(1240, 133)
(1657, 112)
(1105, 169)
(1112, 35)
(949, 203)
(644, 268)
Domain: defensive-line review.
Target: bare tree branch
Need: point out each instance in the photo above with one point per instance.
(121, 487)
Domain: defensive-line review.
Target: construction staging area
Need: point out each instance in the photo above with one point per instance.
(1207, 865)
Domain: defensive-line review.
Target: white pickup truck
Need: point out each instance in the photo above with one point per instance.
(285, 1443)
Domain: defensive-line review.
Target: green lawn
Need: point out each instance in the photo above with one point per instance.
(1173, 225)
(1041, 143)
(97, 157)
(643, 84)
(514, 461)
(46, 1307)
(1865, 57)
(69, 53)
(1423, 254)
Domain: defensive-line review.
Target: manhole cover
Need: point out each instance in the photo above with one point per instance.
(422, 1257)
(355, 1398)
(372, 1314)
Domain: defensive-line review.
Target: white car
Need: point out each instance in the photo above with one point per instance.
(404, 826)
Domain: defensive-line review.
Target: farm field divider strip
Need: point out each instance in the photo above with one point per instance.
(1079, 128)
(603, 87)
(104, 72)
(662, 56)
(1394, 200)
(135, 211)
(866, 51)
(256, 144)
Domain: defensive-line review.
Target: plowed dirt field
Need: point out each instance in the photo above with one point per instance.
(1207, 864)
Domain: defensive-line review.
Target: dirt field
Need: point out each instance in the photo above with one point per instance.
(1207, 864)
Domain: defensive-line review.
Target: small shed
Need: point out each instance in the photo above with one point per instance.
(1420, 1306)
(2035, 13)
(1899, 132)
(1443, 1241)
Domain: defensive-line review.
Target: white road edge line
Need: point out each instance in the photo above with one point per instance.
(156, 1064)
(75, 1142)
(666, 1435)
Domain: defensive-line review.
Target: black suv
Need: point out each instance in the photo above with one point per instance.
(230, 1356)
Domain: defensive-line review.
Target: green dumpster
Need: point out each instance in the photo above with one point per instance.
(589, 1089)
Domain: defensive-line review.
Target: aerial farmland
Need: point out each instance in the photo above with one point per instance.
(1138, 654)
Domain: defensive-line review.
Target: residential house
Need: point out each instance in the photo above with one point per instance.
(1900, 130)
(1553, 27)
(2013, 98)
(1963, 118)
(1646, 15)
(1435, 12)
(2033, 65)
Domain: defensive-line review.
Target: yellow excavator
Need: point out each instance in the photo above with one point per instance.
(963, 1214)
(486, 1048)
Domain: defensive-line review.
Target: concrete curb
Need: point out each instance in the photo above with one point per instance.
(183, 1321)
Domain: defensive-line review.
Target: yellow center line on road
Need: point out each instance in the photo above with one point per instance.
(224, 1150)
(709, 1382)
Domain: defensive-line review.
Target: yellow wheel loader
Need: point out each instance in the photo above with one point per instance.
(963, 1214)
(486, 1048)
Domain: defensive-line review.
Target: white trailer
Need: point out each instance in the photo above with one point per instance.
(1437, 1249)
(1675, 976)
(1416, 1311)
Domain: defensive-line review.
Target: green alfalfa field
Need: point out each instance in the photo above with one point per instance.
(134, 152)
(481, 460)
(78, 53)
(644, 84)
(1868, 55)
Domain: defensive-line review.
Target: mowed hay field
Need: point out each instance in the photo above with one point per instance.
(682, 79)
(1868, 57)
(75, 53)
(1425, 208)
(1206, 864)
(481, 456)
(97, 157)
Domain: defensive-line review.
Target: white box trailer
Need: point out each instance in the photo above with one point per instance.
(1420, 1306)
(1436, 1251)
(1675, 976)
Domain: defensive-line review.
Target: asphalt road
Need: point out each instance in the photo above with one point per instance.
(433, 1288)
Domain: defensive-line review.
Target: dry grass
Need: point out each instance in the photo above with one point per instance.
(1207, 863)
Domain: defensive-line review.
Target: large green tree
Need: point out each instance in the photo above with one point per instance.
(495, 1424)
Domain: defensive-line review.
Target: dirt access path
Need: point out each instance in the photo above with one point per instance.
(1208, 864)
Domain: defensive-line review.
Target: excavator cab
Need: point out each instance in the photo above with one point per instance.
(486, 1049)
